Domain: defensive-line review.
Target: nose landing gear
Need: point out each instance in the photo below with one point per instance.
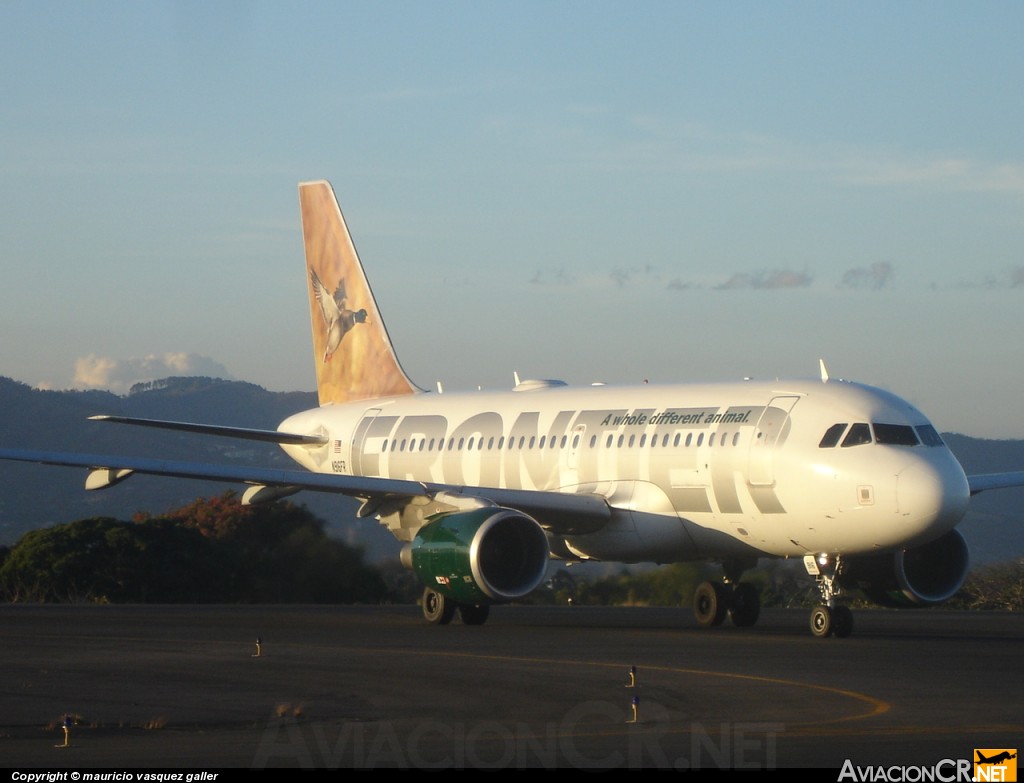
(828, 618)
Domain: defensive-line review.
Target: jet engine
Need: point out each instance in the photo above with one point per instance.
(922, 576)
(484, 555)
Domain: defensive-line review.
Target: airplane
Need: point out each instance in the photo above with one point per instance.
(1004, 756)
(485, 489)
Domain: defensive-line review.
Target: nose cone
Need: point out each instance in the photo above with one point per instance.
(932, 495)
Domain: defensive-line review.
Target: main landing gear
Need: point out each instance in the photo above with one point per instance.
(828, 618)
(739, 600)
(438, 609)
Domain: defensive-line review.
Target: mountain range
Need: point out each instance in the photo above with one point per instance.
(34, 496)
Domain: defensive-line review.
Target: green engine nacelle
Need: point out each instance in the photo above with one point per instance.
(485, 555)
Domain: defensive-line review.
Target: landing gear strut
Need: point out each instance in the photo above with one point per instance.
(828, 618)
(740, 600)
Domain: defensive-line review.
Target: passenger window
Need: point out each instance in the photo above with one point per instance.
(858, 435)
(832, 436)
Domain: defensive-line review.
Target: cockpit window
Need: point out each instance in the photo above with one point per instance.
(832, 436)
(928, 435)
(895, 434)
(858, 435)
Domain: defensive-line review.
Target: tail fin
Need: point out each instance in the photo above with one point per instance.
(352, 351)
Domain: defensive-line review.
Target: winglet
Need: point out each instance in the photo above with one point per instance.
(824, 370)
(353, 353)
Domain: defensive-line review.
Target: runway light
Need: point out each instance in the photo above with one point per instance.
(66, 724)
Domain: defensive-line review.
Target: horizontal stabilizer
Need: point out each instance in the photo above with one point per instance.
(266, 436)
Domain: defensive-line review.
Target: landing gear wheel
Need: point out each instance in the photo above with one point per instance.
(822, 622)
(710, 603)
(829, 617)
(474, 614)
(842, 621)
(437, 609)
(744, 605)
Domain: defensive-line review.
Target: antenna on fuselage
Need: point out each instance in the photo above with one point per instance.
(824, 370)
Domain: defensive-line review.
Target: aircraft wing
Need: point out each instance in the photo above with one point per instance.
(563, 512)
(983, 481)
(265, 436)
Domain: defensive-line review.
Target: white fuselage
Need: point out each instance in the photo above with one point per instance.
(691, 471)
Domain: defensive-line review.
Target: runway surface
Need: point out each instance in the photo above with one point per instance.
(183, 688)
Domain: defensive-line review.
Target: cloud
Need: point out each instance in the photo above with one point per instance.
(119, 375)
(559, 277)
(766, 280)
(623, 277)
(678, 284)
(1012, 278)
(620, 277)
(874, 277)
(956, 174)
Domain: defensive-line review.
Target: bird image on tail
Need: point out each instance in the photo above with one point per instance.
(352, 351)
(338, 317)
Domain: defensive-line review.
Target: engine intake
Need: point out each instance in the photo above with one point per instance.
(483, 555)
(923, 576)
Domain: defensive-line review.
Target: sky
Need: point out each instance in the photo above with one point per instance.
(591, 191)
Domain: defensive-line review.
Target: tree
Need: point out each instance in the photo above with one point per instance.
(211, 551)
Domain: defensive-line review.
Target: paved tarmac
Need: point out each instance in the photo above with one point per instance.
(187, 688)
